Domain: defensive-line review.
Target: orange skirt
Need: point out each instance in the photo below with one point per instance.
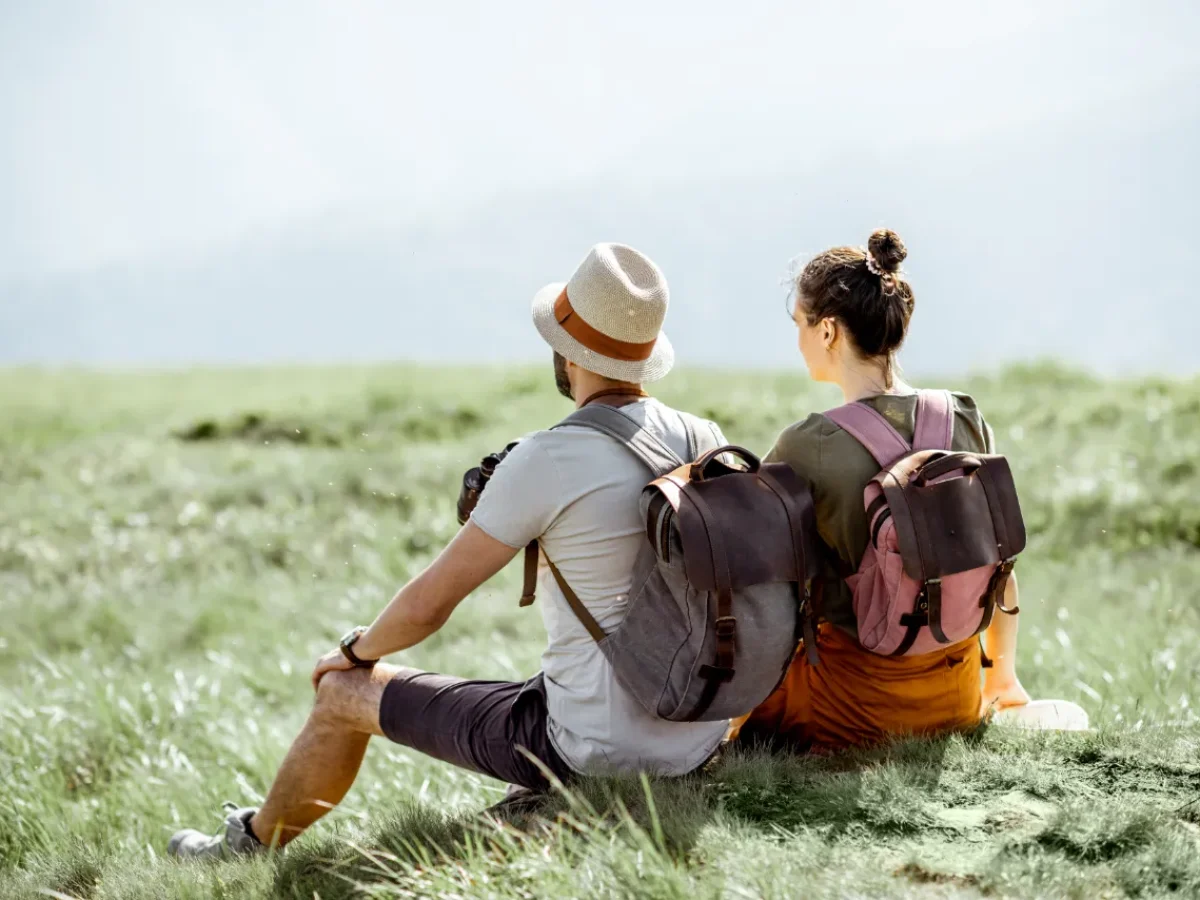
(854, 698)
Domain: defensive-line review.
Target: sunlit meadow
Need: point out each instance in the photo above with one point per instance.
(176, 549)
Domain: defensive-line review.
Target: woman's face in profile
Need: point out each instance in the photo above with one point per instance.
(812, 346)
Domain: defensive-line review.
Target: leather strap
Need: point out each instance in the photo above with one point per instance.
(713, 679)
(992, 598)
(581, 612)
(878, 526)
(993, 595)
(999, 584)
(529, 586)
(697, 470)
(875, 506)
(725, 624)
(347, 646)
(914, 621)
(595, 340)
(933, 591)
(903, 521)
(988, 604)
(944, 464)
(630, 390)
(807, 615)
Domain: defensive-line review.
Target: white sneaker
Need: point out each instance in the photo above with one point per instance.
(235, 839)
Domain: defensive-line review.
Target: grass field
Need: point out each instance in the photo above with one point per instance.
(176, 549)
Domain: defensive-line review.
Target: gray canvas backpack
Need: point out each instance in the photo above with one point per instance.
(720, 588)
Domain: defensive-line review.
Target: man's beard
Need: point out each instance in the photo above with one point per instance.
(561, 381)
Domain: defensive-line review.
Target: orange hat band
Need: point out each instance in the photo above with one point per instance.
(597, 341)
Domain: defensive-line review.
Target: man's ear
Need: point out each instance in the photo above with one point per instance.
(572, 371)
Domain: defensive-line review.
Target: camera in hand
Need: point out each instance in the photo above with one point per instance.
(476, 479)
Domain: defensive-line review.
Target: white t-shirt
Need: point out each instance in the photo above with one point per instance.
(576, 491)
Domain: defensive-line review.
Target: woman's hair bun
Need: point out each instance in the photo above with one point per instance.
(887, 249)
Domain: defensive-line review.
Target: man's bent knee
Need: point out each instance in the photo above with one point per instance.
(351, 698)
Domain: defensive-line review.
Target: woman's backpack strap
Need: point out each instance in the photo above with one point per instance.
(935, 421)
(867, 426)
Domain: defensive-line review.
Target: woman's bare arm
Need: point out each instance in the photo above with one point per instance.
(1001, 686)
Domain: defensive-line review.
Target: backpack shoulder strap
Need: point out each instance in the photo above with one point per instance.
(625, 430)
(586, 619)
(935, 421)
(657, 457)
(693, 440)
(867, 426)
(702, 435)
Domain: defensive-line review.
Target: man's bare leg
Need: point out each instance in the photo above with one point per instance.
(324, 759)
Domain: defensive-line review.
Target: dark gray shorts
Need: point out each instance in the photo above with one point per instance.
(478, 725)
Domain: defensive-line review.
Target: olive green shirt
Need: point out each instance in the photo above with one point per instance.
(839, 469)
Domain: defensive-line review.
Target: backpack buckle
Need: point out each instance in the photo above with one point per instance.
(922, 604)
(725, 626)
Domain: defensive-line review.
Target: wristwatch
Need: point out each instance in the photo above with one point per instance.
(348, 641)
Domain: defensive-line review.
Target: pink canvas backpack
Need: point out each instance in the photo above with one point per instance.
(945, 530)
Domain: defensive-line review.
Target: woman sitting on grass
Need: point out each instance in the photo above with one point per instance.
(853, 309)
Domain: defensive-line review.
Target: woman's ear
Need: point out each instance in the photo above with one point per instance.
(829, 332)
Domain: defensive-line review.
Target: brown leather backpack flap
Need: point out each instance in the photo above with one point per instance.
(796, 495)
(957, 524)
(997, 479)
(737, 523)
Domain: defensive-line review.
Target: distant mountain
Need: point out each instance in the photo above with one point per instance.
(1076, 241)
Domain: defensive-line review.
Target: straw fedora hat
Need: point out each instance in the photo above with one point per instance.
(608, 318)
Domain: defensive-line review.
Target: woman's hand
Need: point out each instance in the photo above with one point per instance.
(1002, 691)
(333, 661)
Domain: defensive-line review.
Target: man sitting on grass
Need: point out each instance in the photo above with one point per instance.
(575, 491)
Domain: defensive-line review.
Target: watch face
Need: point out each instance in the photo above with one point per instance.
(350, 636)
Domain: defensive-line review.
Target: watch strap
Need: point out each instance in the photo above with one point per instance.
(347, 645)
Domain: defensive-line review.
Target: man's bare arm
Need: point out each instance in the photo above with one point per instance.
(423, 605)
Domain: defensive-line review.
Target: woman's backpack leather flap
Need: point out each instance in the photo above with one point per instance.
(946, 525)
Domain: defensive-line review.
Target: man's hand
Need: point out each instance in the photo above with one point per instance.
(333, 661)
(1001, 692)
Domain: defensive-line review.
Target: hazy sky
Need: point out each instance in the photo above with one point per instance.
(135, 131)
